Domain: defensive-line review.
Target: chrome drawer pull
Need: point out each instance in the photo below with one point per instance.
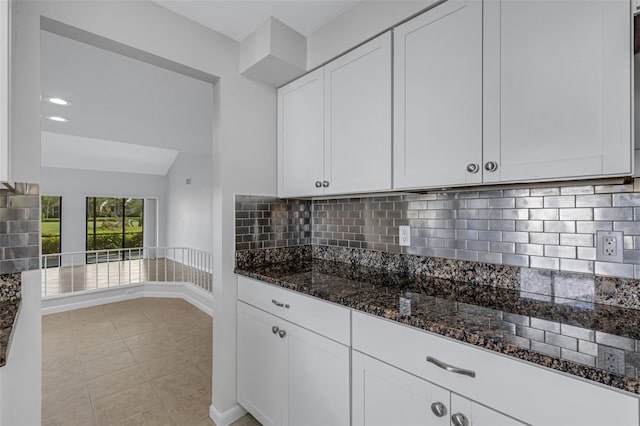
(282, 305)
(450, 368)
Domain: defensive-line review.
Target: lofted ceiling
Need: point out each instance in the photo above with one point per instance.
(78, 152)
(239, 18)
(119, 103)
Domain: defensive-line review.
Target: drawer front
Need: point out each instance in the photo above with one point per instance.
(530, 393)
(319, 316)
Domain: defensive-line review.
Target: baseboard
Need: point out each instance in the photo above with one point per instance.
(85, 299)
(227, 417)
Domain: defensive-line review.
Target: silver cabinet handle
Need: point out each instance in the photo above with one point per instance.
(281, 305)
(282, 333)
(450, 368)
(438, 409)
(473, 168)
(318, 184)
(459, 419)
(274, 329)
(325, 183)
(491, 166)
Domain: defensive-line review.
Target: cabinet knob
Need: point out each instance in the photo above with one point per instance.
(491, 166)
(459, 419)
(275, 329)
(318, 184)
(438, 409)
(325, 183)
(282, 333)
(473, 168)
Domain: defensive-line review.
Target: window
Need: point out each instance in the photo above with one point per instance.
(114, 223)
(51, 206)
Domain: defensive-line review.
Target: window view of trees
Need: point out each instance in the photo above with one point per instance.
(51, 226)
(114, 223)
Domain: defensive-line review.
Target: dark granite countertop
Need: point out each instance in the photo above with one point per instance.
(8, 313)
(10, 299)
(562, 334)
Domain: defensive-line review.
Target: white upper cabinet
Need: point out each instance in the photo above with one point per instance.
(557, 89)
(5, 37)
(507, 91)
(301, 136)
(438, 97)
(358, 119)
(334, 126)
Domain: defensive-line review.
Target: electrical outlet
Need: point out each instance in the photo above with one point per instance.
(609, 246)
(611, 359)
(405, 235)
(405, 306)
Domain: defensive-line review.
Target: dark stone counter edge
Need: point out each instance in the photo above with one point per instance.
(493, 344)
(10, 311)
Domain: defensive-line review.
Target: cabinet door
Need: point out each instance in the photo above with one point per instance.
(557, 88)
(358, 119)
(261, 355)
(438, 97)
(317, 390)
(384, 395)
(478, 415)
(301, 136)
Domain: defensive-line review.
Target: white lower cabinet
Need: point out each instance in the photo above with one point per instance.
(302, 361)
(288, 375)
(385, 395)
(532, 394)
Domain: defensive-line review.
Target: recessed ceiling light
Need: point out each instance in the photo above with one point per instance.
(58, 101)
(57, 118)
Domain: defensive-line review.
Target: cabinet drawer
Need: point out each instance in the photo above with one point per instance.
(531, 393)
(319, 316)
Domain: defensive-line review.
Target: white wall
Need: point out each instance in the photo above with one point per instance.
(189, 208)
(244, 127)
(76, 185)
(358, 24)
(20, 380)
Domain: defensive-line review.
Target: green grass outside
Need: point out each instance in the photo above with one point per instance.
(50, 228)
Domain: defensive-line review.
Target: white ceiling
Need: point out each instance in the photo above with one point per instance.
(75, 152)
(122, 100)
(239, 18)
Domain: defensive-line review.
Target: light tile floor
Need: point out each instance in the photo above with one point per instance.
(139, 362)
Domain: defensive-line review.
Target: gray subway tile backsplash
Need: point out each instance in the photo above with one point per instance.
(565, 342)
(615, 341)
(548, 227)
(545, 348)
(19, 228)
